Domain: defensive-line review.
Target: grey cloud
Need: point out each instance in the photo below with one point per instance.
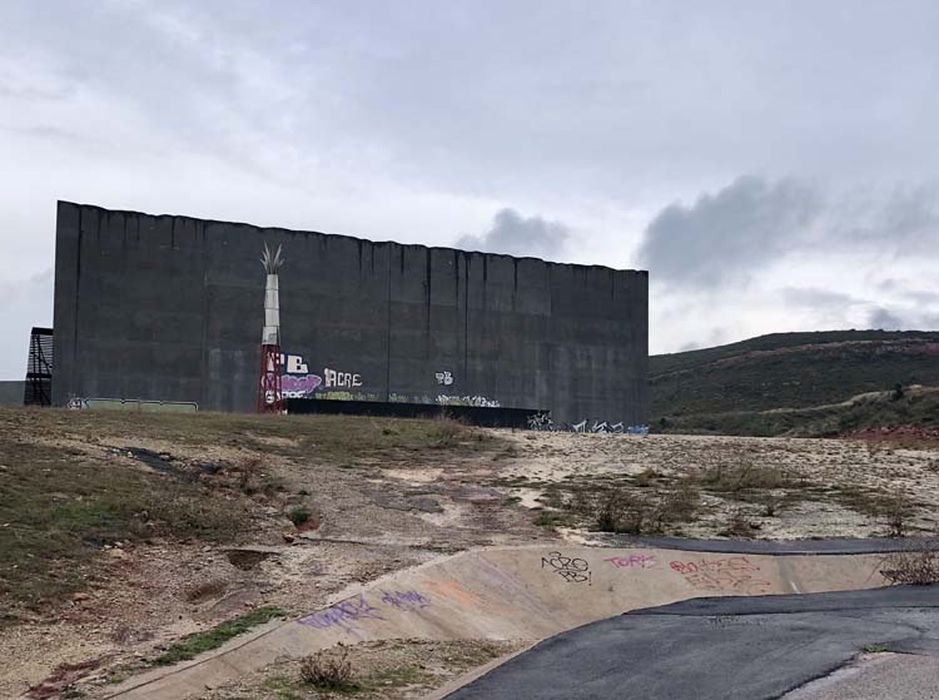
(513, 234)
(901, 220)
(27, 303)
(920, 296)
(908, 318)
(725, 236)
(883, 319)
(814, 297)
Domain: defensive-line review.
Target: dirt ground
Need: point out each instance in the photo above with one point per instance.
(385, 495)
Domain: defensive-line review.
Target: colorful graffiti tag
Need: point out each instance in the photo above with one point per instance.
(299, 383)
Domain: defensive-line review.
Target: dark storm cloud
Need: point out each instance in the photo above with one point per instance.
(724, 237)
(728, 236)
(513, 234)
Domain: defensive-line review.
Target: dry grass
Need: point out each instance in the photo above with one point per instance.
(920, 567)
(895, 509)
(735, 478)
(59, 509)
(68, 489)
(328, 669)
(639, 513)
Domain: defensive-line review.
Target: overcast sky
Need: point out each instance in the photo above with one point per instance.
(773, 164)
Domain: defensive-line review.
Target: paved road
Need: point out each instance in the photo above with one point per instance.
(704, 648)
(866, 545)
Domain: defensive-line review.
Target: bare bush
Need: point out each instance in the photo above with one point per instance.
(738, 524)
(639, 514)
(328, 669)
(743, 477)
(916, 567)
(897, 509)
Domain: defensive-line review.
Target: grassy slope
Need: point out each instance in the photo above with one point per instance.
(918, 408)
(791, 370)
(59, 504)
(741, 388)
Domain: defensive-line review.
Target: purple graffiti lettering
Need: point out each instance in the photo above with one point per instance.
(405, 599)
(343, 615)
(295, 387)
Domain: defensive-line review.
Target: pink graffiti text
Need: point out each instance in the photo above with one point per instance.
(634, 561)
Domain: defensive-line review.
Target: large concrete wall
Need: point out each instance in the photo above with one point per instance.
(170, 308)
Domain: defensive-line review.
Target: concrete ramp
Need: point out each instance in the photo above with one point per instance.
(529, 592)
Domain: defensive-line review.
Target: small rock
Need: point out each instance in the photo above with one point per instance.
(288, 537)
(78, 597)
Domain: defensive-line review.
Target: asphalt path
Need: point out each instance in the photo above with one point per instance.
(746, 647)
(865, 545)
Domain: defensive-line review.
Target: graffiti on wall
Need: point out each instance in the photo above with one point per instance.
(544, 422)
(345, 615)
(405, 600)
(295, 387)
(348, 615)
(336, 379)
(478, 401)
(736, 574)
(298, 382)
(571, 569)
(632, 561)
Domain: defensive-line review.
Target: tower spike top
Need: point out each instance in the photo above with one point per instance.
(272, 262)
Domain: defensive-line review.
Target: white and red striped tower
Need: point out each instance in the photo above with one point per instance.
(270, 394)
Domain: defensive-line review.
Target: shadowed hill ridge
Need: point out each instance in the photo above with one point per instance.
(790, 371)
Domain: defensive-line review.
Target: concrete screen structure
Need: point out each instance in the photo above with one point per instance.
(170, 308)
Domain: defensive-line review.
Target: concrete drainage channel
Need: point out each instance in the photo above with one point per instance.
(529, 592)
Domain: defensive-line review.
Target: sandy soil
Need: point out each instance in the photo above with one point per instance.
(874, 467)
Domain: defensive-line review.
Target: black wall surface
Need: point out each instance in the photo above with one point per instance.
(170, 308)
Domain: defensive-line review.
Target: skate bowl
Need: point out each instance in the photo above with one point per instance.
(509, 593)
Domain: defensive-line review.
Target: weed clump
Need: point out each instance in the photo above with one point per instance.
(639, 514)
(299, 515)
(328, 669)
(742, 477)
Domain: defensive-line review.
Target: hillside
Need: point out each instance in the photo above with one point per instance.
(133, 541)
(717, 389)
